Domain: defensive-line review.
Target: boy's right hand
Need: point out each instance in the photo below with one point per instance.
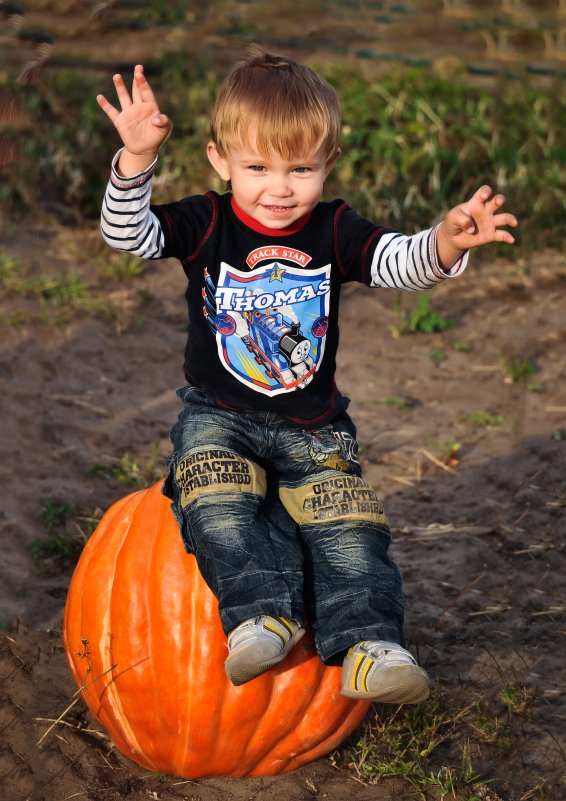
(141, 126)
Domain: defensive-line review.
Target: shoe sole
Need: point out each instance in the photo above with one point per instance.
(400, 684)
(240, 670)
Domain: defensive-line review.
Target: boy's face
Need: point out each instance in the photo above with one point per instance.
(272, 190)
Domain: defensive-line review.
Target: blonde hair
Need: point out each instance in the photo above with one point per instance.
(291, 109)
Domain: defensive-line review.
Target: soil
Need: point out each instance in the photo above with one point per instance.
(469, 465)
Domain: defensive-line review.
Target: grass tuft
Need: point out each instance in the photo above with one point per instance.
(404, 743)
(54, 517)
(518, 369)
(484, 419)
(421, 320)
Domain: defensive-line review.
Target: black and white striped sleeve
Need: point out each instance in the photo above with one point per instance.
(126, 221)
(409, 262)
(380, 257)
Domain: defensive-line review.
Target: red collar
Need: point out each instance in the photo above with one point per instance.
(263, 229)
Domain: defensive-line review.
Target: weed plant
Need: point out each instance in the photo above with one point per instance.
(129, 471)
(421, 320)
(403, 743)
(413, 144)
(484, 419)
(57, 545)
(60, 545)
(518, 369)
(442, 748)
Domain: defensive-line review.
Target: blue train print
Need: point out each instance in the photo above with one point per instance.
(273, 338)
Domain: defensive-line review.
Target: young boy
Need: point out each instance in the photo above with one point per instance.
(264, 477)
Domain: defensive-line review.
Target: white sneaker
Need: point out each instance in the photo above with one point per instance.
(383, 672)
(259, 643)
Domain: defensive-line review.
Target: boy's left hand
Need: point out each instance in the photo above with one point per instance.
(474, 223)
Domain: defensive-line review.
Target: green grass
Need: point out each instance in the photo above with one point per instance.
(462, 347)
(518, 369)
(60, 544)
(414, 144)
(57, 544)
(404, 742)
(130, 471)
(518, 700)
(446, 450)
(104, 284)
(8, 268)
(422, 319)
(484, 419)
(438, 356)
(398, 402)
(446, 747)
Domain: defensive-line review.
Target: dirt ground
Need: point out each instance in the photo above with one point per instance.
(480, 541)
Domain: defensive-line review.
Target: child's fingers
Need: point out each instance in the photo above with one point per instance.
(495, 203)
(121, 91)
(161, 121)
(462, 220)
(107, 107)
(141, 90)
(482, 195)
(506, 219)
(141, 86)
(138, 83)
(501, 235)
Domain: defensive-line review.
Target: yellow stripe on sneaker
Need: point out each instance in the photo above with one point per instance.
(287, 624)
(367, 669)
(270, 627)
(356, 671)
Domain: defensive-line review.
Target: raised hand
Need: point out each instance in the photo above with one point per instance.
(476, 221)
(473, 223)
(142, 127)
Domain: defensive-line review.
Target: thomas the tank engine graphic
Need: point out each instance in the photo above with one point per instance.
(278, 344)
(273, 338)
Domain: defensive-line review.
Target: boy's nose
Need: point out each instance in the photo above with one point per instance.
(280, 187)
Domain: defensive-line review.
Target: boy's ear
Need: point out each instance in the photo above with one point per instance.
(219, 162)
(331, 162)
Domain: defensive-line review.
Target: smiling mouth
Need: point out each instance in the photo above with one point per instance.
(278, 208)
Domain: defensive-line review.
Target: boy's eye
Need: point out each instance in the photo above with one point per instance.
(256, 168)
(302, 170)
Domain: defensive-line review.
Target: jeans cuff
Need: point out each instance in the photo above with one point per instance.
(333, 649)
(230, 618)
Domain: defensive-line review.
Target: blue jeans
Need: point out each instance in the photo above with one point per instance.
(281, 523)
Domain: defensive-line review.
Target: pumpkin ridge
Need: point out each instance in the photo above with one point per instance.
(337, 715)
(281, 685)
(287, 742)
(110, 530)
(153, 744)
(111, 695)
(348, 720)
(156, 614)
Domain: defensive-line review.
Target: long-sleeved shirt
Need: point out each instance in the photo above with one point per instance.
(263, 303)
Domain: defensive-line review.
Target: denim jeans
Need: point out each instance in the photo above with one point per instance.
(281, 523)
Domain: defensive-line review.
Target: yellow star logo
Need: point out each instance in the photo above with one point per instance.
(276, 274)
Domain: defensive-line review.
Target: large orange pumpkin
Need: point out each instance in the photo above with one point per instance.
(143, 637)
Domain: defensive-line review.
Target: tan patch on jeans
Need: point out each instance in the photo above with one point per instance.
(334, 498)
(216, 470)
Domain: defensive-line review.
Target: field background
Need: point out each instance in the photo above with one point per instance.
(460, 399)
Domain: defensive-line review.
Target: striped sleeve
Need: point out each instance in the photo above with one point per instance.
(380, 257)
(409, 262)
(126, 221)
